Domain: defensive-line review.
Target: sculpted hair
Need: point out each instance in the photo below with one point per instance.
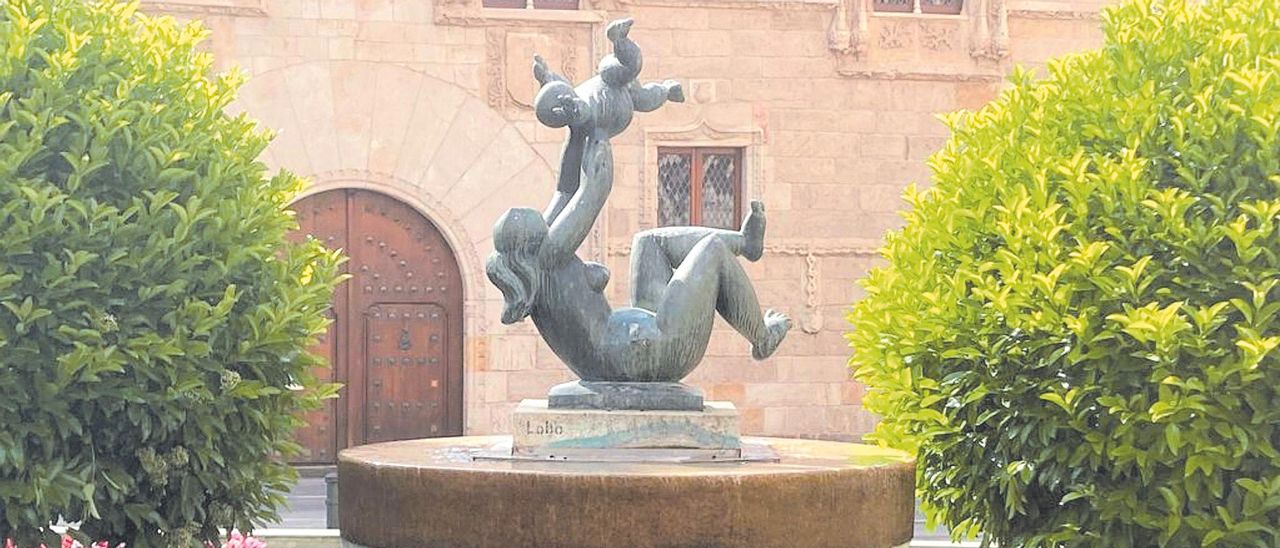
(513, 266)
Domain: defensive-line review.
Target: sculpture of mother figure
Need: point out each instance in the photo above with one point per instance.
(681, 276)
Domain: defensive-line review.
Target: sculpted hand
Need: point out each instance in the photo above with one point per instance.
(618, 30)
(675, 92)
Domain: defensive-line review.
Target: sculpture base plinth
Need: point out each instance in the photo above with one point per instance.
(637, 396)
(589, 434)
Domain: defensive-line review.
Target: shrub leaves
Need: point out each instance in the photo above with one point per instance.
(1077, 329)
(152, 313)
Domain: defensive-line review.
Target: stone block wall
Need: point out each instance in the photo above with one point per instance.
(835, 106)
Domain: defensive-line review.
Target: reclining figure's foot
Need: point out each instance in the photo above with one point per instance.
(753, 232)
(776, 325)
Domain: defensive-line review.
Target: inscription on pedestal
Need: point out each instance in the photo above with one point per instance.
(541, 430)
(547, 428)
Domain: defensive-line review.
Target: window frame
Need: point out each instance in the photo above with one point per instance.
(915, 7)
(696, 173)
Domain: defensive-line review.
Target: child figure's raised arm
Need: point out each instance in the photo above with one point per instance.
(623, 67)
(580, 213)
(570, 174)
(544, 74)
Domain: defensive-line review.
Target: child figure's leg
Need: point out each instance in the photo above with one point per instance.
(621, 68)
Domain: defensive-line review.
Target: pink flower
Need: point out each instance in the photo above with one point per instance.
(237, 540)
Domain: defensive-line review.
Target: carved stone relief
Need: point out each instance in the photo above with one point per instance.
(895, 36)
(510, 77)
(857, 33)
(568, 54)
(520, 90)
(812, 322)
(937, 37)
(991, 31)
(494, 52)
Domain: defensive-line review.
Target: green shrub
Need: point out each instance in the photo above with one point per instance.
(1077, 328)
(152, 315)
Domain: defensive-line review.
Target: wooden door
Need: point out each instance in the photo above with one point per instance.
(396, 343)
(324, 217)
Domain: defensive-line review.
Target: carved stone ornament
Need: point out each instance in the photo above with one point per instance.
(494, 51)
(895, 36)
(558, 50)
(981, 27)
(937, 37)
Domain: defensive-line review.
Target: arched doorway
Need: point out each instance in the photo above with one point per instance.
(396, 341)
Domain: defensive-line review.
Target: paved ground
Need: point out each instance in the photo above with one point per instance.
(306, 508)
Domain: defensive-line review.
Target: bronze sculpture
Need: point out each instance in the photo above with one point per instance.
(634, 356)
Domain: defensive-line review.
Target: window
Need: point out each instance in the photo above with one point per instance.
(700, 186)
(948, 7)
(533, 4)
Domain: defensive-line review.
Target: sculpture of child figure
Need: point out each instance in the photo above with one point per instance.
(609, 99)
(681, 277)
(600, 108)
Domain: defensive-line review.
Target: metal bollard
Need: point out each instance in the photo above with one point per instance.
(331, 500)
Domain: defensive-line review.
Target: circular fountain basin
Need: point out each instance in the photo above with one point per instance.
(436, 492)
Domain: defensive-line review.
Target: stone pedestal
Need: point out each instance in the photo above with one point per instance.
(589, 434)
(437, 493)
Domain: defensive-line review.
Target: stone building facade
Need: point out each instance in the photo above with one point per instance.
(829, 105)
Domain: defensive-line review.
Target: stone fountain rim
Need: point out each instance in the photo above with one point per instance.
(736, 471)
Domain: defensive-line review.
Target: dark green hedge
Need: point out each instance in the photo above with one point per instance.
(152, 315)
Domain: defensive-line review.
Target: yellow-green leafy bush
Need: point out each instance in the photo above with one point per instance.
(1077, 328)
(152, 315)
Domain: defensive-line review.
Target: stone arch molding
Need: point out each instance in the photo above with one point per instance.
(425, 141)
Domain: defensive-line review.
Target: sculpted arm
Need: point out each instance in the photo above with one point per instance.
(543, 74)
(574, 222)
(648, 97)
(570, 174)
